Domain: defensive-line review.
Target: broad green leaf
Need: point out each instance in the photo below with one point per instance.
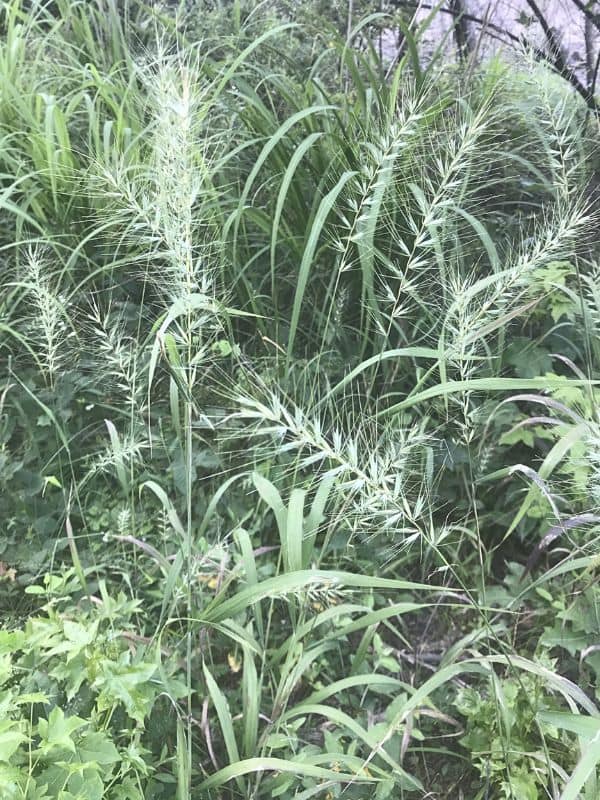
(10, 739)
(96, 747)
(57, 730)
(128, 684)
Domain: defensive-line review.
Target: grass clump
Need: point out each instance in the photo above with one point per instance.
(298, 415)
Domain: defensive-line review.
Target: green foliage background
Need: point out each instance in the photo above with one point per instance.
(299, 440)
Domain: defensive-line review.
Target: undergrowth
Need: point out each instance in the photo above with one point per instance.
(299, 444)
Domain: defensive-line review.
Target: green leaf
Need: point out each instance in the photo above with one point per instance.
(184, 769)
(10, 739)
(251, 700)
(586, 727)
(225, 720)
(57, 730)
(167, 505)
(251, 765)
(585, 767)
(293, 582)
(295, 160)
(344, 722)
(11, 641)
(402, 352)
(118, 456)
(272, 498)
(294, 530)
(128, 684)
(271, 144)
(482, 233)
(484, 385)
(308, 256)
(31, 697)
(85, 783)
(96, 747)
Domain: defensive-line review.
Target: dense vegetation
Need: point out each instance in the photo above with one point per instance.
(299, 443)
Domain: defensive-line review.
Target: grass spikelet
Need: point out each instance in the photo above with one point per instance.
(46, 323)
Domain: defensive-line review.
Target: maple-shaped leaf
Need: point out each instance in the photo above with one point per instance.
(10, 739)
(128, 683)
(56, 731)
(527, 359)
(95, 747)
